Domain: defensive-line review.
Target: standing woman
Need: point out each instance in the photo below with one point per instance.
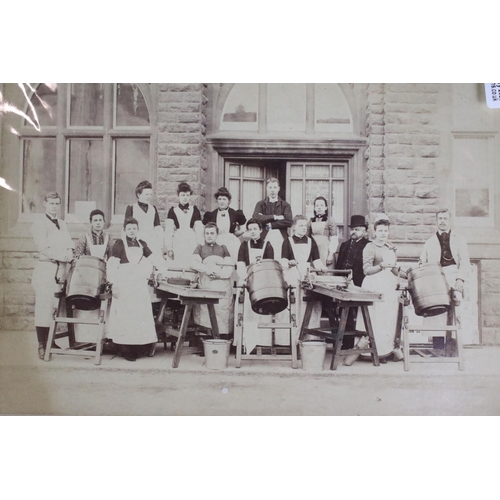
(131, 318)
(381, 273)
(183, 228)
(324, 230)
(147, 217)
(228, 220)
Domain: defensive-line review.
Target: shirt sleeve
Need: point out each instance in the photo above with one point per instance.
(314, 251)
(368, 257)
(225, 252)
(157, 218)
(259, 215)
(171, 215)
(240, 217)
(286, 250)
(197, 250)
(81, 245)
(196, 216)
(243, 253)
(207, 217)
(146, 251)
(118, 249)
(109, 249)
(288, 219)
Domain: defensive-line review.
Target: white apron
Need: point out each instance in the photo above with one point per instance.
(185, 239)
(88, 333)
(275, 237)
(131, 318)
(147, 231)
(253, 336)
(383, 314)
(324, 242)
(229, 240)
(294, 275)
(44, 279)
(224, 310)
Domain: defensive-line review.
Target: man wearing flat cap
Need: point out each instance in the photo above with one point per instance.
(351, 257)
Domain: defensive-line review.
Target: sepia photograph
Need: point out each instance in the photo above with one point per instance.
(249, 249)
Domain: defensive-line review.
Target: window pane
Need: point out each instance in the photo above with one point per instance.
(87, 105)
(252, 193)
(317, 171)
(296, 197)
(44, 101)
(253, 172)
(234, 189)
(297, 171)
(234, 170)
(286, 107)
(313, 190)
(131, 167)
(131, 108)
(39, 172)
(338, 171)
(338, 201)
(86, 172)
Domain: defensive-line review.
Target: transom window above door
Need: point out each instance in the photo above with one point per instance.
(93, 147)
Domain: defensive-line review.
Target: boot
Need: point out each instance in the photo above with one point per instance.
(42, 333)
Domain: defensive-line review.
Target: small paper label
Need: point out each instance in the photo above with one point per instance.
(492, 91)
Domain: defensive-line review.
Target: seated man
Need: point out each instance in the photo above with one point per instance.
(95, 243)
(215, 266)
(297, 254)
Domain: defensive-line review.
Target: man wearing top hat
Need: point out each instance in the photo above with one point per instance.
(351, 257)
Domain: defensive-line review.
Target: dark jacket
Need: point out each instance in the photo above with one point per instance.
(235, 217)
(357, 268)
(264, 212)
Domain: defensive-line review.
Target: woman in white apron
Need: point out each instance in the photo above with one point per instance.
(131, 319)
(55, 248)
(183, 229)
(215, 266)
(148, 218)
(381, 276)
(298, 253)
(251, 252)
(324, 230)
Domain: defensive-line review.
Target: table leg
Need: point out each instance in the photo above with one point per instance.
(340, 338)
(307, 318)
(213, 321)
(182, 335)
(369, 330)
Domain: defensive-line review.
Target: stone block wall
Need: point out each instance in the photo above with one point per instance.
(490, 301)
(181, 142)
(404, 143)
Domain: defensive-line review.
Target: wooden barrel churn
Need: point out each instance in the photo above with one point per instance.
(267, 287)
(86, 281)
(429, 290)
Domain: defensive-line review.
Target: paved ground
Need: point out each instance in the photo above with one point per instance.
(71, 385)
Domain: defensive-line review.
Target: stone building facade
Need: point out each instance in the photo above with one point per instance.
(404, 150)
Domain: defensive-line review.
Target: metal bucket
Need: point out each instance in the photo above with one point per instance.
(86, 282)
(216, 353)
(312, 353)
(429, 290)
(267, 287)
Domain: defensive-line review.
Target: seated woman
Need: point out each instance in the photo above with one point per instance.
(381, 272)
(215, 266)
(228, 221)
(131, 324)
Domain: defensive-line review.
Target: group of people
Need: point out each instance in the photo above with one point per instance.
(221, 246)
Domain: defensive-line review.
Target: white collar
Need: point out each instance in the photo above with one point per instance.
(274, 200)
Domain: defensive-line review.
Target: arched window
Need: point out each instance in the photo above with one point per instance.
(93, 145)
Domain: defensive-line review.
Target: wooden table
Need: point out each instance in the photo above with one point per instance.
(189, 297)
(345, 299)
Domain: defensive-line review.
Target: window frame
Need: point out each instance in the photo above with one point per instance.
(63, 133)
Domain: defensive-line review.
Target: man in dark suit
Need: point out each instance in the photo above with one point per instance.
(351, 257)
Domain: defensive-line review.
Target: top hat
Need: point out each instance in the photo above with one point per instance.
(358, 221)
